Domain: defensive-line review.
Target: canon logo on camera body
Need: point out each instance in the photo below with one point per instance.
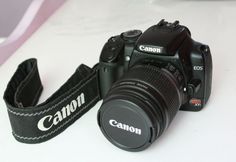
(61, 115)
(151, 49)
(125, 127)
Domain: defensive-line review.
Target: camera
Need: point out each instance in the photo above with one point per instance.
(145, 78)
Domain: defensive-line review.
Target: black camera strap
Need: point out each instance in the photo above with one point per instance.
(35, 124)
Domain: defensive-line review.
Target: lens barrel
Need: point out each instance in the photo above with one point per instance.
(139, 107)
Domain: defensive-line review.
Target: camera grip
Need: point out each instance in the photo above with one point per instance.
(108, 74)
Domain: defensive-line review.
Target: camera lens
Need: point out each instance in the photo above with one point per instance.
(139, 107)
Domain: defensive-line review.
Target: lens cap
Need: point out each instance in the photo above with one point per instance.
(125, 124)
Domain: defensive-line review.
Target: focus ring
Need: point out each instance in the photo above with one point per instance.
(161, 81)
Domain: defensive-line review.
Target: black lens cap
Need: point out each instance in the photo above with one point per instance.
(126, 124)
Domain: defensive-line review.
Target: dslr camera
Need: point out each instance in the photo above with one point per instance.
(146, 78)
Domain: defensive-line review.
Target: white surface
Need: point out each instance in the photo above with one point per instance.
(2, 39)
(76, 35)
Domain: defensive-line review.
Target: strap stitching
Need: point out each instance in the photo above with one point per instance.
(57, 129)
(50, 108)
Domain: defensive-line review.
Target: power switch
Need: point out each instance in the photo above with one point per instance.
(194, 86)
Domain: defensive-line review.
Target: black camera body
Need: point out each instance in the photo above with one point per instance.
(168, 46)
(145, 78)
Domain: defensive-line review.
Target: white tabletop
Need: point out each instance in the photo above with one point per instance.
(77, 33)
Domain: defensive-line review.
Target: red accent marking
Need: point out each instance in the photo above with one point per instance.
(195, 102)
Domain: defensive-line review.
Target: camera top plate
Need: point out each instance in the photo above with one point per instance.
(164, 38)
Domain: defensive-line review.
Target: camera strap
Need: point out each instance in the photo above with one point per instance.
(33, 123)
